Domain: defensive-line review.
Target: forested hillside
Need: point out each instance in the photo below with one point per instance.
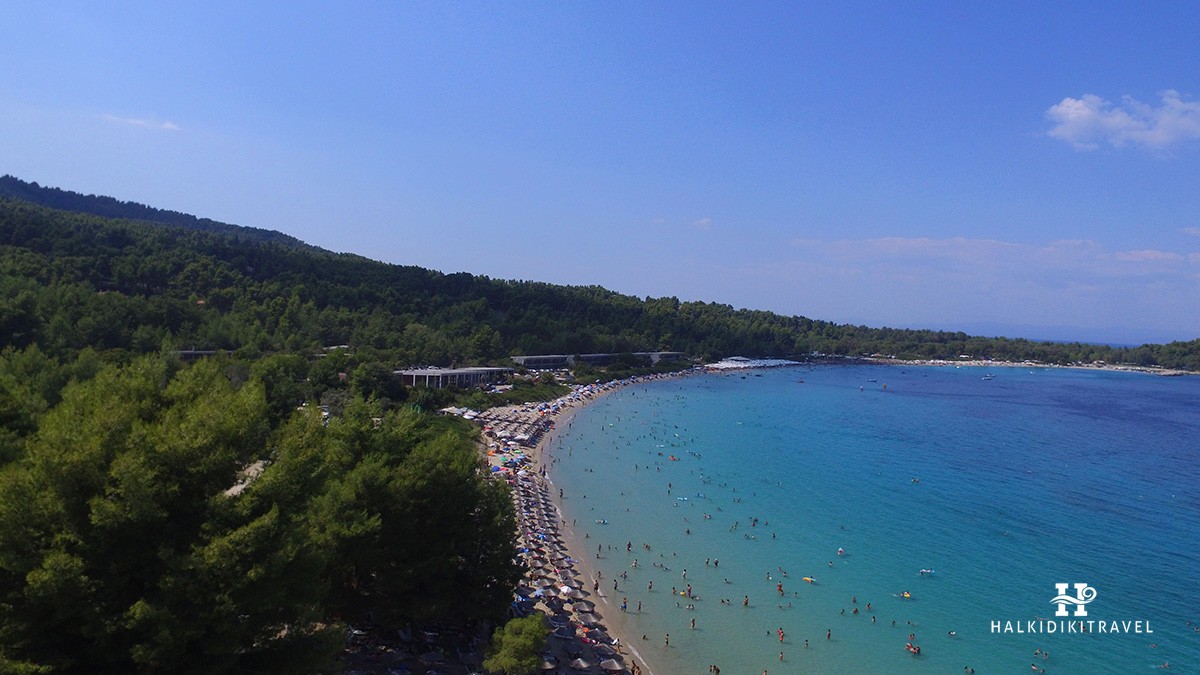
(72, 280)
(12, 187)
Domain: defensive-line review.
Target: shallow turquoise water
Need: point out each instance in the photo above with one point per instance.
(1023, 481)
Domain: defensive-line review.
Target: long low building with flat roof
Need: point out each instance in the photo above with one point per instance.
(462, 378)
(567, 360)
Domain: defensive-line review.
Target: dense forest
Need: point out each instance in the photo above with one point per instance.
(12, 187)
(133, 540)
(74, 280)
(238, 512)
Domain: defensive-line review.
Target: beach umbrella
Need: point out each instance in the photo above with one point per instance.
(574, 594)
(580, 664)
(588, 619)
(546, 665)
(611, 665)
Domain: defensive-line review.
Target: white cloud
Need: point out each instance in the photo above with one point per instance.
(1192, 230)
(148, 124)
(703, 224)
(1089, 121)
(1149, 256)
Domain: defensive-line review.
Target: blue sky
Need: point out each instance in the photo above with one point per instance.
(1020, 168)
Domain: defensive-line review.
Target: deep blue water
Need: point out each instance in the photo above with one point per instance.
(1003, 486)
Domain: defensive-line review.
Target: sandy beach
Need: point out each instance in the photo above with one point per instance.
(560, 580)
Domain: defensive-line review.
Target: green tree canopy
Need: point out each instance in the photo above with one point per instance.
(517, 646)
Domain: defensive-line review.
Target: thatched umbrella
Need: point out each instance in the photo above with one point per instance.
(611, 665)
(580, 664)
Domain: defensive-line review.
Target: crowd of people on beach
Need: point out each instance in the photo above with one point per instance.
(553, 583)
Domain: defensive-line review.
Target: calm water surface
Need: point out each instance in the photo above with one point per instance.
(1004, 487)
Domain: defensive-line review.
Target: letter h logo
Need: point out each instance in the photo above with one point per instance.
(1083, 595)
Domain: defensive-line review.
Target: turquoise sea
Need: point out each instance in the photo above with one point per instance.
(1003, 486)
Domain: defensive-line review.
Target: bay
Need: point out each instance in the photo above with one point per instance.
(1003, 485)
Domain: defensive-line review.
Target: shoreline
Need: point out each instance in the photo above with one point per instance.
(534, 493)
(553, 447)
(604, 617)
(988, 363)
(616, 627)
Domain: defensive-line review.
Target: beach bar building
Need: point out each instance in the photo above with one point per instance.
(462, 378)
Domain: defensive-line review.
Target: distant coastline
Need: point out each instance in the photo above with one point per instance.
(988, 363)
(742, 363)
